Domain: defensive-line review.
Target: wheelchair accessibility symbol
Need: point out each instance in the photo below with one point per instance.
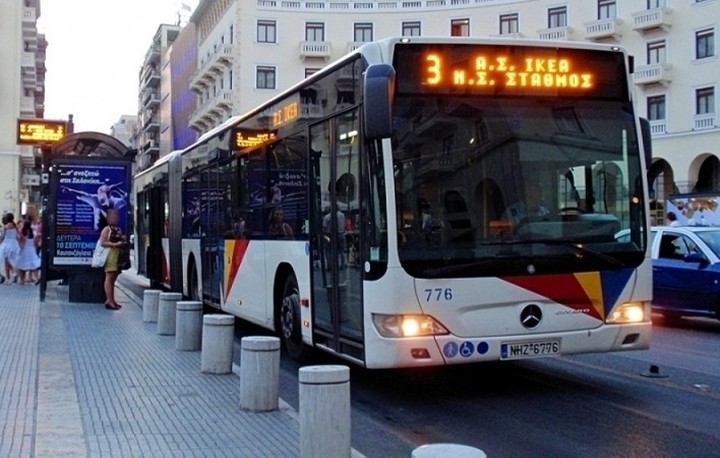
(467, 349)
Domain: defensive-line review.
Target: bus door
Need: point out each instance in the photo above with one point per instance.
(210, 237)
(154, 207)
(335, 244)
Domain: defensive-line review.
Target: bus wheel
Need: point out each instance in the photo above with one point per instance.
(290, 325)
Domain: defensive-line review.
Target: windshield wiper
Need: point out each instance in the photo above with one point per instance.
(578, 247)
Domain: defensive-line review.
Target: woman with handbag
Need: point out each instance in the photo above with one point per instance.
(113, 238)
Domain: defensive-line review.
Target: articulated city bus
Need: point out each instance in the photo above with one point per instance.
(420, 202)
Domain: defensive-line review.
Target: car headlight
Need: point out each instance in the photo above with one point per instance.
(407, 325)
(631, 312)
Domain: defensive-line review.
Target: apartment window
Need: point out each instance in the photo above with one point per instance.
(704, 43)
(705, 100)
(311, 71)
(656, 108)
(232, 33)
(607, 9)
(314, 31)
(411, 29)
(509, 23)
(230, 79)
(460, 28)
(656, 52)
(557, 17)
(265, 78)
(652, 4)
(266, 32)
(362, 32)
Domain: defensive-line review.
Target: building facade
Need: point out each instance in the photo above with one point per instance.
(154, 124)
(124, 129)
(22, 92)
(249, 51)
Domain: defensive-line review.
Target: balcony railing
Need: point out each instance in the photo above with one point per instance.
(212, 108)
(603, 28)
(658, 127)
(353, 45)
(221, 58)
(656, 18)
(704, 121)
(27, 106)
(29, 14)
(653, 74)
(315, 49)
(28, 61)
(555, 33)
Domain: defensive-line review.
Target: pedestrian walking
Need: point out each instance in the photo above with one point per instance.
(28, 261)
(9, 247)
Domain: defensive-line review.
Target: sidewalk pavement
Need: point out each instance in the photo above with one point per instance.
(80, 380)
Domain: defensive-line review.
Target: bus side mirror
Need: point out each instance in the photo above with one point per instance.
(647, 141)
(379, 92)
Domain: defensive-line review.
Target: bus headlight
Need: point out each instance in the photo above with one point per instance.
(631, 312)
(407, 325)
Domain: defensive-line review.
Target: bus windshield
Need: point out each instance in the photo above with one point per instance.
(489, 185)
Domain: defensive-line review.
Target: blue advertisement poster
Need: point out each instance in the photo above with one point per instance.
(84, 192)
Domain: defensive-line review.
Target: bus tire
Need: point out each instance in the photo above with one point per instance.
(290, 323)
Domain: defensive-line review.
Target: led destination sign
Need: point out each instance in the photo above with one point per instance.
(509, 70)
(489, 70)
(39, 131)
(247, 139)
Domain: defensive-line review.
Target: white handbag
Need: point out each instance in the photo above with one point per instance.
(99, 255)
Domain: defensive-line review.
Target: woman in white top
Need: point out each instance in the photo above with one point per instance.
(9, 247)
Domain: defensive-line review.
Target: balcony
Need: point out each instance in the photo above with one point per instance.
(311, 49)
(150, 99)
(152, 79)
(653, 74)
(603, 28)
(704, 121)
(311, 110)
(27, 106)
(211, 110)
(28, 61)
(658, 127)
(556, 33)
(353, 45)
(221, 59)
(656, 18)
(29, 14)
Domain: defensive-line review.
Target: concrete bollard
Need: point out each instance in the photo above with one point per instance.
(151, 297)
(217, 344)
(259, 373)
(444, 450)
(324, 411)
(188, 325)
(166, 313)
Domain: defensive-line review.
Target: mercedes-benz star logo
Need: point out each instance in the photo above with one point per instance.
(531, 316)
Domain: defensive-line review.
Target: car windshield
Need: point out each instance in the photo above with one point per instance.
(711, 239)
(495, 185)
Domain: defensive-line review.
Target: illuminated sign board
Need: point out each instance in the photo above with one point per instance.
(509, 70)
(248, 139)
(39, 131)
(284, 113)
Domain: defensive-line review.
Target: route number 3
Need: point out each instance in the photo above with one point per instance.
(438, 294)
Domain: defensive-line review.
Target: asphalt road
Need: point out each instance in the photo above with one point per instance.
(588, 405)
